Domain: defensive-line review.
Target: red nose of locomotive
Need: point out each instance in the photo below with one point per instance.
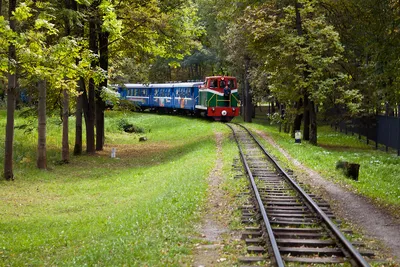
(222, 113)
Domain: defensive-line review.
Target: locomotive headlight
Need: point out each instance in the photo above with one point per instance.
(213, 109)
(223, 113)
(233, 109)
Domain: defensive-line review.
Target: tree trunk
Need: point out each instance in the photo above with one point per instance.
(100, 105)
(90, 118)
(297, 124)
(298, 118)
(80, 88)
(78, 117)
(65, 116)
(11, 92)
(313, 124)
(242, 95)
(8, 157)
(41, 155)
(306, 130)
(299, 25)
(248, 109)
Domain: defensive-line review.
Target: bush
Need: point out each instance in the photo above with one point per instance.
(124, 125)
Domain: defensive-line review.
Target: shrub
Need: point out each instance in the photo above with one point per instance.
(124, 125)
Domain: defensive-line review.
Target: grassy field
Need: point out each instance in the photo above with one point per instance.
(379, 171)
(136, 209)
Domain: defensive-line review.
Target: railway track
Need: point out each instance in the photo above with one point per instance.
(286, 225)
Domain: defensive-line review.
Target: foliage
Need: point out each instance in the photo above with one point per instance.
(128, 127)
(153, 31)
(296, 62)
(372, 48)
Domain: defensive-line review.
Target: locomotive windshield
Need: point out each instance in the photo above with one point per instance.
(220, 82)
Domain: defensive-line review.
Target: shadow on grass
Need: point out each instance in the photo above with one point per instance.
(134, 157)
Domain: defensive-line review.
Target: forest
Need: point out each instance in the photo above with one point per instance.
(310, 59)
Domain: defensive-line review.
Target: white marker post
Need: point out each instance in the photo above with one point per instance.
(297, 137)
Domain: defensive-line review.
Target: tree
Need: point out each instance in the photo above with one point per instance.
(49, 59)
(301, 52)
(11, 91)
(41, 155)
(372, 49)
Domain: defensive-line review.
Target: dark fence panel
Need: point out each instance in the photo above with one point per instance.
(388, 131)
(382, 130)
(365, 126)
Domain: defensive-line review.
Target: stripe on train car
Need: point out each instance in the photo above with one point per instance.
(201, 107)
(137, 97)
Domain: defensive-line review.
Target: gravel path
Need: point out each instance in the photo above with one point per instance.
(208, 252)
(372, 221)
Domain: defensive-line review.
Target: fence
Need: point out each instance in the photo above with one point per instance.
(382, 130)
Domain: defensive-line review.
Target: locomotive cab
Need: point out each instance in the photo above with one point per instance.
(219, 98)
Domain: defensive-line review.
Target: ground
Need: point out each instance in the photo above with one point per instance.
(214, 228)
(373, 222)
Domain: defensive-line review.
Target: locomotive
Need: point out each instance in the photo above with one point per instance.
(216, 98)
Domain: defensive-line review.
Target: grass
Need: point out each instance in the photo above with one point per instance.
(378, 176)
(136, 209)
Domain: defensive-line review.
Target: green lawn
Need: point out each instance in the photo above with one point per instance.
(135, 210)
(379, 171)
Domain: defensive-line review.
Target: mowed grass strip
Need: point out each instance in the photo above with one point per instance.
(135, 210)
(379, 171)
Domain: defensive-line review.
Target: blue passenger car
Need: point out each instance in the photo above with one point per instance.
(164, 97)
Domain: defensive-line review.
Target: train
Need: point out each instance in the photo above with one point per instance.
(217, 97)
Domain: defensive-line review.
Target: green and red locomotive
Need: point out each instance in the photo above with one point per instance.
(219, 98)
(216, 98)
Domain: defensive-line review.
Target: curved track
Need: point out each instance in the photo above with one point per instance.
(293, 227)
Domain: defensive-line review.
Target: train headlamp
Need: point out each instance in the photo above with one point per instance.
(224, 113)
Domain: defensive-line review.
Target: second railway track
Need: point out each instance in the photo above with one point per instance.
(291, 226)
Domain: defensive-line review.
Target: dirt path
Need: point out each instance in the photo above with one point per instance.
(208, 252)
(371, 220)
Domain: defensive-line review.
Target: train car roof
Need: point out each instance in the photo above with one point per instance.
(163, 85)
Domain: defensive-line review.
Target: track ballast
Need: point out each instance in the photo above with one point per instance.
(287, 224)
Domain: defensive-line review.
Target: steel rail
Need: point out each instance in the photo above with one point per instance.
(274, 245)
(360, 261)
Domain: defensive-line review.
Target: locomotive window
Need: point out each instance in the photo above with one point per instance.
(231, 84)
(213, 83)
(222, 84)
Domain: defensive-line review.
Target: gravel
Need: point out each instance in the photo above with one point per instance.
(374, 222)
